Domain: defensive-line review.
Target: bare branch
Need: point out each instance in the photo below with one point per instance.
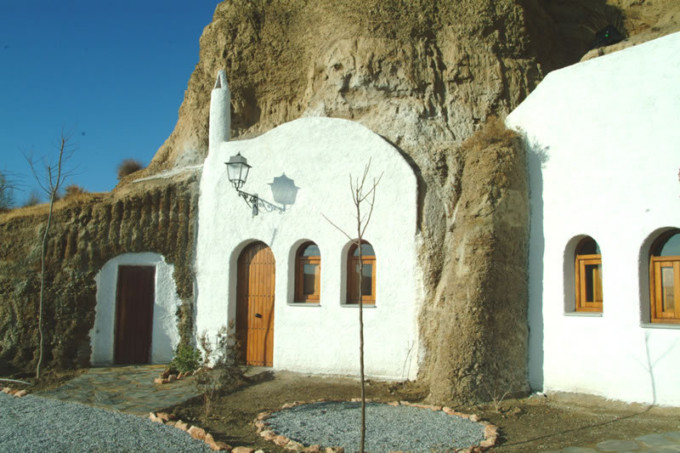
(337, 227)
(34, 171)
(52, 176)
(371, 203)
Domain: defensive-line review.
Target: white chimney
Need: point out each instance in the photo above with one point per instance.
(220, 111)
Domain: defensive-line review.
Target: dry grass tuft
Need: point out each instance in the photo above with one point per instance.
(493, 132)
(73, 191)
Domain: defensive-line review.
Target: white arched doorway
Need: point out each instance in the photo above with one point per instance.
(135, 317)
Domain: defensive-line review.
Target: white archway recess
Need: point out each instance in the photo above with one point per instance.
(319, 155)
(164, 335)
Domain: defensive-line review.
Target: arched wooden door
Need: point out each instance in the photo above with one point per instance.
(255, 304)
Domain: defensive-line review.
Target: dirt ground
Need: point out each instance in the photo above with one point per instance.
(530, 424)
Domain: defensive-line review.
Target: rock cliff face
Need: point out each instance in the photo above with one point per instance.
(426, 75)
(429, 76)
(444, 63)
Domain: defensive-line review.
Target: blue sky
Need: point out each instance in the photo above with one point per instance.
(111, 73)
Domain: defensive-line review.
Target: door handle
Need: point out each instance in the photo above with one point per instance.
(257, 315)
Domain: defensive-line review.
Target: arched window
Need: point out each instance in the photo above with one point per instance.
(664, 278)
(588, 276)
(364, 291)
(308, 273)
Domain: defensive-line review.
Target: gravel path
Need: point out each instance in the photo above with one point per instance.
(36, 424)
(388, 428)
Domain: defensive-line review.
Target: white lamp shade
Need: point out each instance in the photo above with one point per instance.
(237, 170)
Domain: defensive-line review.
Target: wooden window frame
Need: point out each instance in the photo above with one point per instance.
(656, 264)
(352, 263)
(300, 262)
(582, 304)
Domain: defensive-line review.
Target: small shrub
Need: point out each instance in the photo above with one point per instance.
(226, 372)
(127, 167)
(73, 190)
(187, 359)
(496, 396)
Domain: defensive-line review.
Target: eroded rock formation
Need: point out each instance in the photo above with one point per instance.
(427, 76)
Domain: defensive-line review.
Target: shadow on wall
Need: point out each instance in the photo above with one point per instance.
(162, 344)
(537, 156)
(563, 34)
(284, 190)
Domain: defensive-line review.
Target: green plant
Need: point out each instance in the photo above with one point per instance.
(221, 369)
(187, 359)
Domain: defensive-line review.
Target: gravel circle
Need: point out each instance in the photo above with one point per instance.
(37, 424)
(388, 428)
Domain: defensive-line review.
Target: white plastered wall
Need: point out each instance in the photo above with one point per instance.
(165, 335)
(603, 138)
(319, 154)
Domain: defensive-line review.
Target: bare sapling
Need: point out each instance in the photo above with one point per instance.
(50, 178)
(363, 194)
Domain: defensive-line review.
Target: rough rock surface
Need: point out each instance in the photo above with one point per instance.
(424, 74)
(88, 230)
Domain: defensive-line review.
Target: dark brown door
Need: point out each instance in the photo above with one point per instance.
(134, 314)
(255, 304)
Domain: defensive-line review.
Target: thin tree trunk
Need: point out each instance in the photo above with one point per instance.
(361, 332)
(51, 186)
(358, 196)
(42, 289)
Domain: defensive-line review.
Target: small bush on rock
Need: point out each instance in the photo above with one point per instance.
(127, 167)
(73, 191)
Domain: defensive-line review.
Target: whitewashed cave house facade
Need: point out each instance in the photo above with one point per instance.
(287, 281)
(136, 311)
(603, 142)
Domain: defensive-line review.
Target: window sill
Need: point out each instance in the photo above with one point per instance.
(583, 314)
(371, 306)
(304, 304)
(659, 325)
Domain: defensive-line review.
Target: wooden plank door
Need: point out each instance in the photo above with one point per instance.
(255, 304)
(134, 314)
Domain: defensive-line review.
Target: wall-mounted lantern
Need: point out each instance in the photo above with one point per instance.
(237, 169)
(283, 188)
